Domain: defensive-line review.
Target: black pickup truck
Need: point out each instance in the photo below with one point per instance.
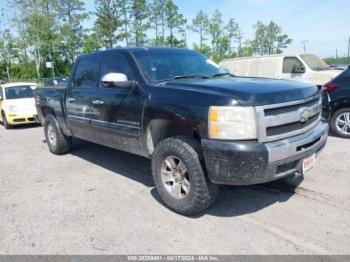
(200, 125)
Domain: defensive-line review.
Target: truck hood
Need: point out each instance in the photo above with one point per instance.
(322, 77)
(249, 91)
(330, 73)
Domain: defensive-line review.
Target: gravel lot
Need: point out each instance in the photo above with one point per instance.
(101, 201)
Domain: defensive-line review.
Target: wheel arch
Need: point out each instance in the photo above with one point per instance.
(159, 129)
(46, 110)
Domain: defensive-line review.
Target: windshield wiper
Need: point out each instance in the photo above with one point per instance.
(222, 74)
(191, 76)
(183, 77)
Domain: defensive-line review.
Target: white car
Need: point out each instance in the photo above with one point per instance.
(306, 68)
(17, 104)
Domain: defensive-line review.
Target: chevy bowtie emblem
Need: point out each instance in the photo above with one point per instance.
(305, 115)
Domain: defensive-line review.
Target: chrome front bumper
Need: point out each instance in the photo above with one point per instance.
(298, 145)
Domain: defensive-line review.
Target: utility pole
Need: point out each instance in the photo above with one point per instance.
(349, 51)
(304, 44)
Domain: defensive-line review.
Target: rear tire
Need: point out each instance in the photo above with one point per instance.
(58, 142)
(4, 121)
(180, 178)
(340, 123)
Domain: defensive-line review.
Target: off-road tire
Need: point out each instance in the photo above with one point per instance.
(63, 143)
(202, 192)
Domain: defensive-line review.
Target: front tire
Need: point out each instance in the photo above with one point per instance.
(340, 123)
(179, 176)
(58, 142)
(4, 121)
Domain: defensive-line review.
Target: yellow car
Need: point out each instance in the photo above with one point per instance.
(17, 104)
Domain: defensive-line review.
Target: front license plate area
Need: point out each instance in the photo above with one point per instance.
(308, 163)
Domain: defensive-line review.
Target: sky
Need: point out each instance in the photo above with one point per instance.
(323, 23)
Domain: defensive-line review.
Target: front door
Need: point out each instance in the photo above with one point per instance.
(289, 64)
(79, 94)
(117, 111)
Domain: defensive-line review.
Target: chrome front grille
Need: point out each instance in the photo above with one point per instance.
(280, 121)
(291, 108)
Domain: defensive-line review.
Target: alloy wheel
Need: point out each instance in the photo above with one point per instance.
(343, 123)
(175, 177)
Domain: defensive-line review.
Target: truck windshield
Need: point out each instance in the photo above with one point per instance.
(162, 65)
(315, 63)
(18, 92)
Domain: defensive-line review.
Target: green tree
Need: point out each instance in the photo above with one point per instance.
(200, 25)
(157, 20)
(175, 22)
(239, 40)
(91, 44)
(107, 22)
(269, 39)
(125, 7)
(35, 27)
(216, 30)
(8, 51)
(140, 13)
(205, 49)
(232, 29)
(71, 15)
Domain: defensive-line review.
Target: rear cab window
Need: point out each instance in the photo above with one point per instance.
(86, 72)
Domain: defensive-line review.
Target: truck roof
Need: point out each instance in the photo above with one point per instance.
(265, 56)
(131, 49)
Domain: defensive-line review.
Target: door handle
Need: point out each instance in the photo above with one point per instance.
(97, 102)
(70, 100)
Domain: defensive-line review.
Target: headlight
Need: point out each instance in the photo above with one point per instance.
(232, 123)
(12, 109)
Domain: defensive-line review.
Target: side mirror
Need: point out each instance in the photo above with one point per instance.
(115, 80)
(298, 69)
(118, 80)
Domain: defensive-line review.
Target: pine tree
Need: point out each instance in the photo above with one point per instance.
(200, 25)
(140, 13)
(71, 15)
(107, 22)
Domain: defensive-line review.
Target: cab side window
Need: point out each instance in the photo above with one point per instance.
(115, 63)
(289, 63)
(86, 72)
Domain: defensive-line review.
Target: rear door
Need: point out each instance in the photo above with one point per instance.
(79, 94)
(117, 112)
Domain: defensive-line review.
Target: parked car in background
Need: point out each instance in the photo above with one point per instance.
(339, 67)
(17, 104)
(339, 96)
(201, 127)
(305, 68)
(56, 81)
